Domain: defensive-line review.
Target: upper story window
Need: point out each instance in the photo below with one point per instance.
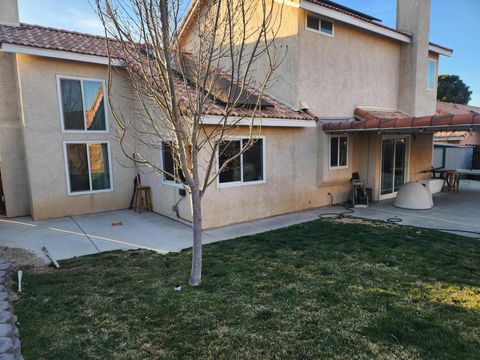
(172, 171)
(431, 74)
(82, 104)
(247, 168)
(338, 151)
(317, 23)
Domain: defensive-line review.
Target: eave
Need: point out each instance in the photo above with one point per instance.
(354, 21)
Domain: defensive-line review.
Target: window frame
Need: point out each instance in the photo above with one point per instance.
(241, 182)
(429, 60)
(62, 120)
(162, 175)
(320, 18)
(67, 170)
(338, 149)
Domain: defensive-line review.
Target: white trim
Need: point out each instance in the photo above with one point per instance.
(241, 182)
(448, 138)
(330, 167)
(406, 176)
(336, 15)
(434, 74)
(105, 106)
(439, 50)
(59, 54)
(246, 121)
(320, 18)
(67, 170)
(162, 175)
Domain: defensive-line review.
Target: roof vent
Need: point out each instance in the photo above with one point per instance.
(304, 105)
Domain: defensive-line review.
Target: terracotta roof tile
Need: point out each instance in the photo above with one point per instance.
(53, 39)
(80, 43)
(449, 134)
(381, 120)
(451, 108)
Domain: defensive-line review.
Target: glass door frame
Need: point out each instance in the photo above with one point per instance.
(406, 175)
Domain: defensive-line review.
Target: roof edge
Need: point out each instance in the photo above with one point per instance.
(354, 20)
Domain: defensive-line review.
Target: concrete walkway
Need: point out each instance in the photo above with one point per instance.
(65, 237)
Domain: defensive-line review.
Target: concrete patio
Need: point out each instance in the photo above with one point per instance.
(65, 237)
(455, 211)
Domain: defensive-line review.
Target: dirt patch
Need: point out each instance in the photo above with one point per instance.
(22, 259)
(355, 220)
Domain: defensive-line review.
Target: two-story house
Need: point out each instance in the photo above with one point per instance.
(371, 88)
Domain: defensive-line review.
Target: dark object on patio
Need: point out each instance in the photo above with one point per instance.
(476, 157)
(451, 181)
(359, 196)
(136, 182)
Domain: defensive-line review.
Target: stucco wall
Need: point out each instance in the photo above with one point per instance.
(291, 163)
(12, 155)
(165, 196)
(354, 67)
(44, 141)
(421, 156)
(9, 12)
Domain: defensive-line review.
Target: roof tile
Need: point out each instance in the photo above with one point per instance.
(80, 43)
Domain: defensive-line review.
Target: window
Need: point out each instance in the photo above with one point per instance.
(169, 165)
(320, 24)
(82, 105)
(88, 167)
(431, 74)
(248, 168)
(338, 151)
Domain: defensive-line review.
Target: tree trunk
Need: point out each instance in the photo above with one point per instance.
(196, 274)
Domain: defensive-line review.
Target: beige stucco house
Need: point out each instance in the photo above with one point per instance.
(370, 92)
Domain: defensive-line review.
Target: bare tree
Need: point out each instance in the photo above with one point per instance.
(224, 68)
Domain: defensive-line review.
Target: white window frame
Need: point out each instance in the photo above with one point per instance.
(320, 18)
(167, 182)
(338, 149)
(241, 182)
(85, 131)
(434, 73)
(67, 170)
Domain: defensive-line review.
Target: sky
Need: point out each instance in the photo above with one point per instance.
(453, 23)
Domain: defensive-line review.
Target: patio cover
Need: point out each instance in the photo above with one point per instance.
(394, 121)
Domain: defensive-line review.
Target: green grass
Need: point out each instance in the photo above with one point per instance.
(317, 290)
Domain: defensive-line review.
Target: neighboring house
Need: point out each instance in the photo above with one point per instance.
(373, 89)
(455, 149)
(466, 137)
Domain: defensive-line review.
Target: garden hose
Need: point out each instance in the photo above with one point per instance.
(392, 220)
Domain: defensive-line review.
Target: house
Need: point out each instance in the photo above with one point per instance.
(371, 88)
(465, 137)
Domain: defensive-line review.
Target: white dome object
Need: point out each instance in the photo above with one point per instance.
(435, 185)
(414, 195)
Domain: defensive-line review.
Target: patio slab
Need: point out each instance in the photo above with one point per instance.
(65, 238)
(451, 211)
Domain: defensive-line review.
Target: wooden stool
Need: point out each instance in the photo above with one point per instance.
(452, 181)
(142, 199)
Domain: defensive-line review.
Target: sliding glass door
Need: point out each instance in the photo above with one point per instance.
(393, 165)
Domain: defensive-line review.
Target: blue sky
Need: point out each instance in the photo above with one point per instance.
(454, 24)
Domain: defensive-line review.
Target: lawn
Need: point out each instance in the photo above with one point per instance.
(316, 290)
